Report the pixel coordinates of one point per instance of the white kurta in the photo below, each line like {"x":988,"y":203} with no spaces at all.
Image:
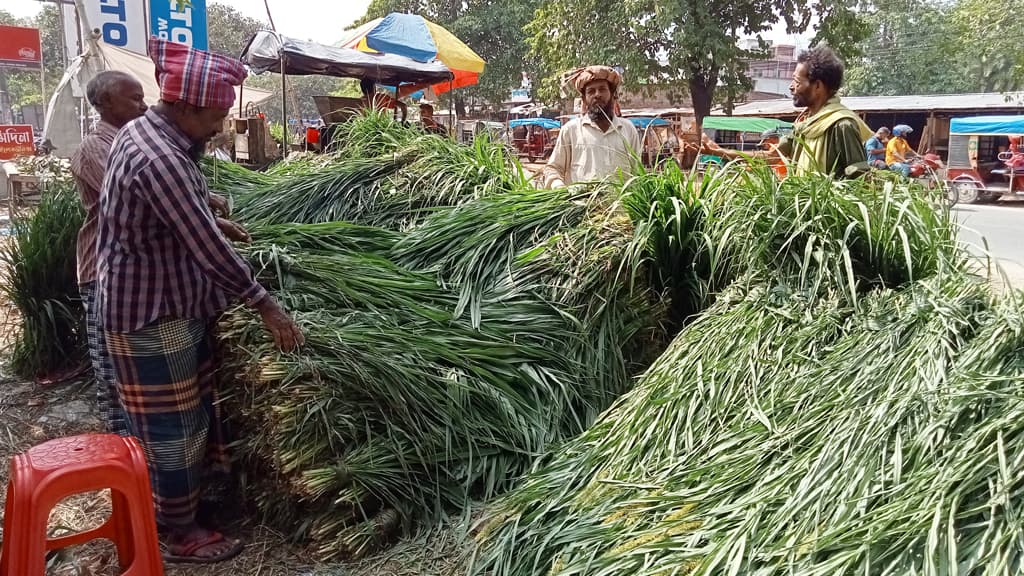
{"x":583,"y":152}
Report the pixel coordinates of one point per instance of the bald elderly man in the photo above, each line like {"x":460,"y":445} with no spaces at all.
{"x":166,"y":270}
{"x":117,"y":97}
{"x":597,"y":144}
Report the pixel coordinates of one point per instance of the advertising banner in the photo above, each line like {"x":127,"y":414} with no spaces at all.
{"x":179,"y":21}
{"x":121,"y":23}
{"x":20,"y":48}
{"x":15,"y":141}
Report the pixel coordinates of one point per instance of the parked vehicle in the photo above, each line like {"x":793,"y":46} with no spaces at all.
{"x":659,"y":139}
{"x":470,"y":129}
{"x":742,"y":132}
{"x":929,"y":170}
{"x":985,"y":159}
{"x":747,"y":134}
{"x":534,"y":138}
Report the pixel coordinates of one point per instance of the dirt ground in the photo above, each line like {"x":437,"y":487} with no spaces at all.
{"x":31,"y":413}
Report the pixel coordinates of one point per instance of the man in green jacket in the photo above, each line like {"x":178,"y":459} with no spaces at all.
{"x":827,"y":136}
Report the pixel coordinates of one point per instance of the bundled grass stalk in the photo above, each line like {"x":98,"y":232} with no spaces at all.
{"x":772,"y":437}
{"x":348,"y":191}
{"x":402,"y":402}
{"x":810,"y":422}
{"x":385,"y":174}
{"x":372,"y":133}
{"x":230,"y":179}
{"x":449,"y":410}
{"x":40,"y":279}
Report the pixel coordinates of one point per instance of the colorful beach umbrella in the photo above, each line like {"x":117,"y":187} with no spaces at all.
{"x":415,"y":37}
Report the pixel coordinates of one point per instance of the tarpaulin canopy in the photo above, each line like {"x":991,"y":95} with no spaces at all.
{"x":545,"y":123}
{"x":1005,"y":125}
{"x":413,"y":36}
{"x":645,"y":122}
{"x":745,"y":124}
{"x":267,"y":50}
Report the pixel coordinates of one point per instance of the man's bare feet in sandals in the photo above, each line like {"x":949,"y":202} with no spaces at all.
{"x":196,"y":545}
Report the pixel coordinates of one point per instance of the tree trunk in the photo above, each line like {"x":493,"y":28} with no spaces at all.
{"x":701,"y":94}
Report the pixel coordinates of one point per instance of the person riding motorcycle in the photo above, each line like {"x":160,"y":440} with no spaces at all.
{"x":898,"y":152}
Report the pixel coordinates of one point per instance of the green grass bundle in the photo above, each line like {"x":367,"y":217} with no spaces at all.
{"x":858,"y":233}
{"x":230,"y":179}
{"x":847,"y":406}
{"x":781,"y":436}
{"x":386,"y":175}
{"x":370,"y":134}
{"x":573,"y":249}
{"x":402,"y":405}
{"x":349,"y":191}
{"x":446,"y":173}
{"x":40,"y":280}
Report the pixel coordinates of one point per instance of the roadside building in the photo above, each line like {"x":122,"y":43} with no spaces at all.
{"x":928,"y":115}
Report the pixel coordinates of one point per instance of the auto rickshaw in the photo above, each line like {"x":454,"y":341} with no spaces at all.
{"x":659,"y":139}
{"x":748,"y":134}
{"x":533,"y":138}
{"x":986,"y":157}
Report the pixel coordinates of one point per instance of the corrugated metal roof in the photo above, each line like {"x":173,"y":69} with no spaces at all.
{"x":656,"y":111}
{"x":1012,"y":101}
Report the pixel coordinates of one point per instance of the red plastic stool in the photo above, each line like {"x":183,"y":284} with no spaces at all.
{"x":54,"y":470}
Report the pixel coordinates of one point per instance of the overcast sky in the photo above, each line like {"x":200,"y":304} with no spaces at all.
{"x":323,"y":21}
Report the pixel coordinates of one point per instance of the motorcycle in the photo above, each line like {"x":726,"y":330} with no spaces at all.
{"x":929,"y":171}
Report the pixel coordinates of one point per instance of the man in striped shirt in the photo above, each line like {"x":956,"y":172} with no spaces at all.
{"x":118,"y":99}
{"x":165,"y":272}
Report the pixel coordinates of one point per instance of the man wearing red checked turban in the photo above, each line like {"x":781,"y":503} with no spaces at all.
{"x":165,"y":271}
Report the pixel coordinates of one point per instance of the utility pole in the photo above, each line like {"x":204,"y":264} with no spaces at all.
{"x":6,"y":111}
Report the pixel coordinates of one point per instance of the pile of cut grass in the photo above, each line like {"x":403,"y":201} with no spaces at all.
{"x":848,"y":405}
{"x":458,"y":323}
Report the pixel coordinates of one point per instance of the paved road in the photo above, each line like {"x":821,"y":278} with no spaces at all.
{"x":1002,"y":226}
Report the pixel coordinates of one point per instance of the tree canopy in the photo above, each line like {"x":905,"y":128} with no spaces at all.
{"x":939,"y":47}
{"x":692,"y":46}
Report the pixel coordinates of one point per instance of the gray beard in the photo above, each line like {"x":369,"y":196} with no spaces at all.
{"x":598,"y":113}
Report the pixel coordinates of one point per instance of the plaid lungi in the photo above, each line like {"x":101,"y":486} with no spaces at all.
{"x":165,"y":378}
{"x":106,"y":392}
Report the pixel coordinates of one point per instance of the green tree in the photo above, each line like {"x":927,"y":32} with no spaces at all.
{"x":494,"y":29}
{"x":988,"y":35}
{"x":689,"y":46}
{"x":912,"y":49}
{"x":51,"y":35}
{"x":229,"y":31}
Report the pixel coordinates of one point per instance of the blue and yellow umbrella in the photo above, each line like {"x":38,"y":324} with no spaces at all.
{"x":415,"y":37}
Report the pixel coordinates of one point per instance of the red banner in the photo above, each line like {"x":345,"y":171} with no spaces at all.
{"x":15,"y":141}
{"x":20,"y":47}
